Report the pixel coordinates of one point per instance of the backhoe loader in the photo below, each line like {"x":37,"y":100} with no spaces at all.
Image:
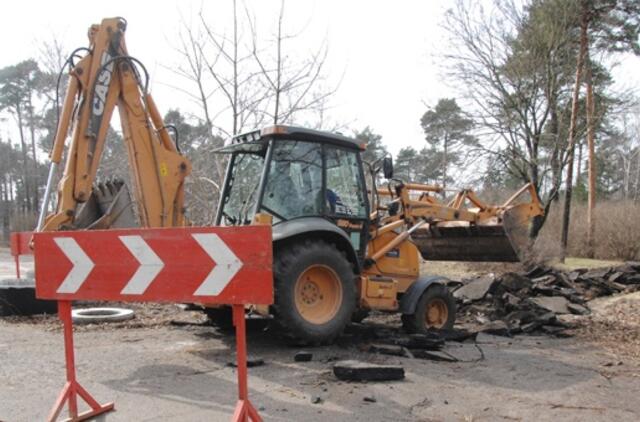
{"x":340,"y":248}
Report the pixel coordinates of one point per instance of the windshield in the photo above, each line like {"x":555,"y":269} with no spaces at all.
{"x":294,"y":181}
{"x":243,"y":188}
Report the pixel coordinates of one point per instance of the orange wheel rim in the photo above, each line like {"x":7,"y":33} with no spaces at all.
{"x":318,"y":294}
{"x":436,"y":314}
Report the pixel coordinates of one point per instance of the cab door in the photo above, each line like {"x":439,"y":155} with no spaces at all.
{"x":346,"y":202}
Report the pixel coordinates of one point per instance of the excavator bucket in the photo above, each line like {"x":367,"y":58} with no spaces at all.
{"x":109,"y":206}
{"x":505,"y":239}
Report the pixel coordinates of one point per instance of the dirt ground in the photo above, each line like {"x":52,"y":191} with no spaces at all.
{"x":8,"y":266}
{"x":169,"y":364}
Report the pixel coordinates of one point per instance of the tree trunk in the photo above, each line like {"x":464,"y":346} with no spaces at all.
{"x":626,"y":177}
{"x":636,"y":193}
{"x":579,"y":171}
{"x":566,"y":215}
{"x":444,"y":166}
{"x":25,"y":171}
{"x":591,"y":222}
{"x":556,"y":157}
{"x":235,"y":69}
{"x":4,"y":209}
{"x":32,"y":129}
{"x":278,"y":66}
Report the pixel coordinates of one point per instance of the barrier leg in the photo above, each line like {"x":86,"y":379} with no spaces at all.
{"x":72,"y":389}
{"x":17,"y":259}
{"x":244,"y":409}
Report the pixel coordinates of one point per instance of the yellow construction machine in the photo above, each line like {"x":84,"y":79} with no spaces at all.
{"x":340,"y":249}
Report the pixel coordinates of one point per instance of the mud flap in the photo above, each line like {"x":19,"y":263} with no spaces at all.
{"x":411,"y":297}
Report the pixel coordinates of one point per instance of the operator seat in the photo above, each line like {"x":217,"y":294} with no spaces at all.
{"x":282,"y":194}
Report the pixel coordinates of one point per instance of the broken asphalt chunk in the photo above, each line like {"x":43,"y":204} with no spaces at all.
{"x":303,"y":357}
{"x":555,"y":304}
{"x":537,"y":271}
{"x":434,"y":355}
{"x":576,"y":309}
{"x":387,"y":349}
{"x":456,"y":334}
{"x":252,"y":362}
{"x":497,"y":328}
{"x":352,"y":370}
{"x":476,"y":289}
{"x":428,"y":341}
{"x":514,"y":282}
{"x":596,"y":273}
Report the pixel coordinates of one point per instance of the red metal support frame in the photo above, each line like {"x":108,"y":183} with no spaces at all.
{"x":19,"y":242}
{"x":217,"y":265}
{"x":245,"y":411}
{"x":17,"y":259}
{"x":72,"y":389}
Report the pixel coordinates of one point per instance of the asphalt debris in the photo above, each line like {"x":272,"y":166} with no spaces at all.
{"x":353,"y":370}
{"x":252,"y":362}
{"x":303,"y":357}
{"x":540,"y":300}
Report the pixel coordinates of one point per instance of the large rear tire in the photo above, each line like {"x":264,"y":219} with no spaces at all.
{"x":360,"y":315}
{"x":221,"y":317}
{"x":435,"y":309}
{"x":315,"y":292}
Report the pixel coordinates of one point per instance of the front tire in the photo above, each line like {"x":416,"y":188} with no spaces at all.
{"x":435,"y":309}
{"x":315,"y":292}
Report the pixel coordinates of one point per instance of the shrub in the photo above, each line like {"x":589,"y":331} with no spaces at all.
{"x":617,"y":234}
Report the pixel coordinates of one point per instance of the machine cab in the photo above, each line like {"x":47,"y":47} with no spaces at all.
{"x":297,"y":176}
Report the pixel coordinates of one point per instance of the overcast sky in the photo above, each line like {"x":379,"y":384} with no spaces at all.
{"x":384,"y":53}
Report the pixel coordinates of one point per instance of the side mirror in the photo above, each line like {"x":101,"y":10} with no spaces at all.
{"x":387,"y":167}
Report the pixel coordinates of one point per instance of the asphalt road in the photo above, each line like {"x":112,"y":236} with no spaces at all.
{"x":180,"y":373}
{"x":8,"y":266}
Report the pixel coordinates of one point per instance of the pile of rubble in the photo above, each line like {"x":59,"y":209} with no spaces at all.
{"x":540,"y":300}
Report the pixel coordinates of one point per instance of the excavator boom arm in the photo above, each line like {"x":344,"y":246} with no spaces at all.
{"x":103,"y":79}
{"x":464,"y":229}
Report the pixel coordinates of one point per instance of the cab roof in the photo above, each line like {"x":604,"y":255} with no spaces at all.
{"x":303,"y":134}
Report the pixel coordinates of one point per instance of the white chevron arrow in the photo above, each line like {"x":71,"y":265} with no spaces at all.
{"x":227,"y":264}
{"x":150,"y":265}
{"x":82,"y":264}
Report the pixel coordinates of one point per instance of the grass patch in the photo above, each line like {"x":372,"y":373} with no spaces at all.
{"x":458,"y":270}
{"x":572,"y":263}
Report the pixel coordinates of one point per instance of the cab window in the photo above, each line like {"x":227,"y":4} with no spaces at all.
{"x":243,"y":186}
{"x":345,"y":191}
{"x":294,"y":181}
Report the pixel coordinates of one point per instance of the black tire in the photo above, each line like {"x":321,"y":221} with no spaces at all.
{"x":360,"y":315}
{"x":221,"y":317}
{"x":435,"y":294}
{"x":99,"y":315}
{"x":289,"y":264}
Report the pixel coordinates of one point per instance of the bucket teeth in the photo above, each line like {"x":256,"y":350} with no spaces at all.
{"x":109,"y":206}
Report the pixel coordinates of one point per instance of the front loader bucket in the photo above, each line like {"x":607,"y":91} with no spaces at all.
{"x":505,"y":241}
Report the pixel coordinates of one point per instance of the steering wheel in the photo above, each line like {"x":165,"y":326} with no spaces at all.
{"x":229,"y":219}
